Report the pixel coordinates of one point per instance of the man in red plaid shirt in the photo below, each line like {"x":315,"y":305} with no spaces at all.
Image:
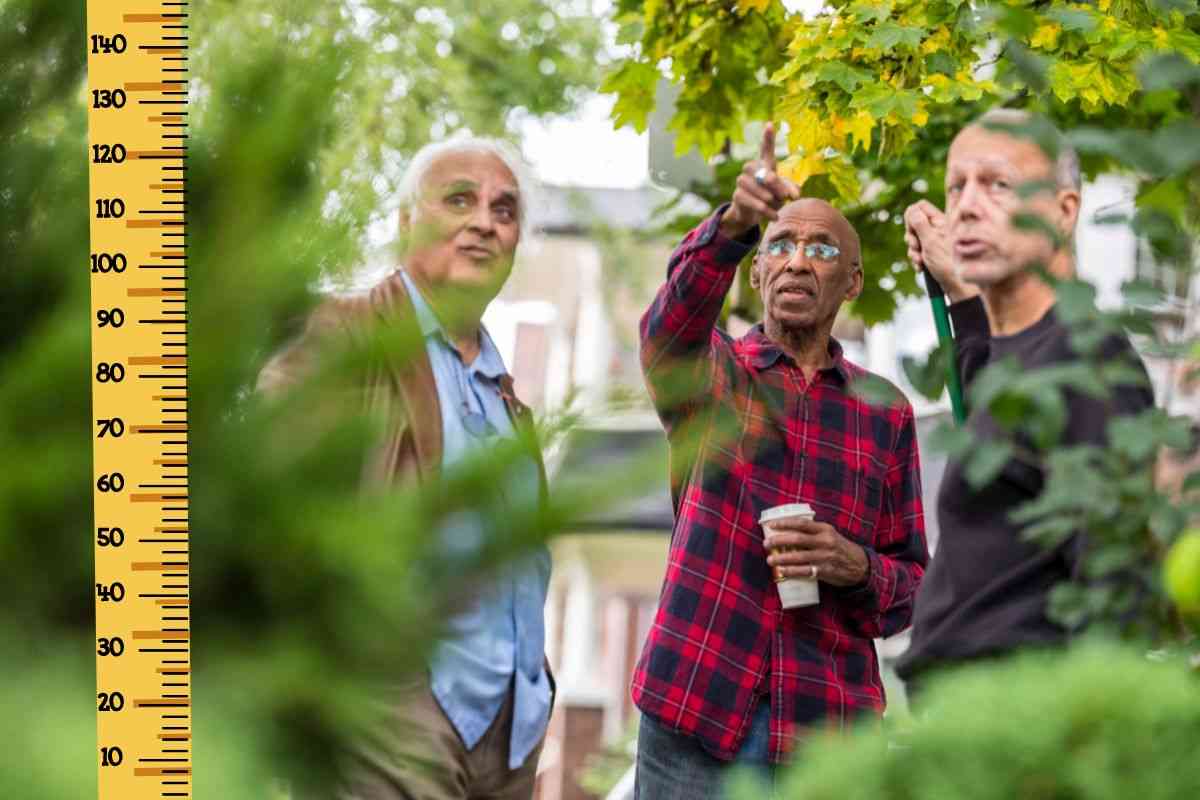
{"x":727,"y":675}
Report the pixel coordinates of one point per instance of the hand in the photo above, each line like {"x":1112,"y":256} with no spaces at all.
{"x":754,"y":201}
{"x":839,"y":561}
{"x":929,"y":247}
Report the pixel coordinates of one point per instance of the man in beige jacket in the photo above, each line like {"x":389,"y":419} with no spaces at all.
{"x":473,"y":726}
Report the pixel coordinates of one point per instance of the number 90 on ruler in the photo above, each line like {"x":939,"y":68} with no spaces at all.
{"x":137,"y":110}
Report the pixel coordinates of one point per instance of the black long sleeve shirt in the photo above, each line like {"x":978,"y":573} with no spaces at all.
{"x":986,"y":589}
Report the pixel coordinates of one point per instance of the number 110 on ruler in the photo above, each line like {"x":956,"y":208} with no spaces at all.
{"x":137,"y":148}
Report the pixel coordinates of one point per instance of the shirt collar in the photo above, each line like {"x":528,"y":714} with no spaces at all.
{"x":763,"y":353}
{"x":488,"y":363}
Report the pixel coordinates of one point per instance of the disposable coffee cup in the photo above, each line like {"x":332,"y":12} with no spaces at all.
{"x":793,"y":592}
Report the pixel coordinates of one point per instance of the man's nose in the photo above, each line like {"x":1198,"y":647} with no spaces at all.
{"x":967,"y":206}
{"x":798,"y":261}
{"x":481,"y":220}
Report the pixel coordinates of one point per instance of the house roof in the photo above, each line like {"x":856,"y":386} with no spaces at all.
{"x":573,"y":209}
{"x":602,"y":447}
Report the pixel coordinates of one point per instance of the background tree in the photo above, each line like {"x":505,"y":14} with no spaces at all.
{"x":871,"y":94}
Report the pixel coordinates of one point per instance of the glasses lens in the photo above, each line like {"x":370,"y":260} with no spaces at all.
{"x":825,"y":252}
{"x":781,"y":247}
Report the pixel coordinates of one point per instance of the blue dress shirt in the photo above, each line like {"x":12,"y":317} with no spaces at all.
{"x":499,"y":640}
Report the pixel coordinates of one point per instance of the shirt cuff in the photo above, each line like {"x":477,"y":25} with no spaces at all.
{"x":970,"y":318}
{"x":869,"y":581}
{"x":729,"y":252}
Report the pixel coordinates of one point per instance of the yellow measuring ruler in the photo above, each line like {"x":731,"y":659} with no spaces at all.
{"x":137,"y":144}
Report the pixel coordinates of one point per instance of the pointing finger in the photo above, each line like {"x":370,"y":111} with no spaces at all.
{"x":766,"y":153}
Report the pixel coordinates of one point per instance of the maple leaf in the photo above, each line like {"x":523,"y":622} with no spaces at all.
{"x":1046,"y":35}
{"x":859,"y":128}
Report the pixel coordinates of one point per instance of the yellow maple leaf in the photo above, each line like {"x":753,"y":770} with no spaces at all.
{"x":859,"y":129}
{"x":746,"y":6}
{"x":1046,"y":35}
{"x":808,"y":133}
{"x":1105,"y":5}
{"x":940,"y":40}
{"x":1161,"y":40}
{"x":799,"y":169}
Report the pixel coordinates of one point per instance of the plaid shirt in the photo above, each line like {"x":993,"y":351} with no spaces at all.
{"x":747,"y":432}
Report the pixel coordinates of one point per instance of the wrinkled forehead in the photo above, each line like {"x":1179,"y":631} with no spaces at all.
{"x":471,"y":170}
{"x":809,"y":216}
{"x":978,"y":148}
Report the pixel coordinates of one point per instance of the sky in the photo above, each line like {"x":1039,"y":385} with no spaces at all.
{"x":582,"y":149}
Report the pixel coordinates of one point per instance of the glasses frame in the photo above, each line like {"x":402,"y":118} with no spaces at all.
{"x":812,"y":250}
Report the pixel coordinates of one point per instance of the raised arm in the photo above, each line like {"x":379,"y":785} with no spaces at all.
{"x":679,"y":329}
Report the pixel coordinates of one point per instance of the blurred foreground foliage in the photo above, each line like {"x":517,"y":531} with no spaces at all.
{"x":1102,"y":723}
{"x":306,"y":598}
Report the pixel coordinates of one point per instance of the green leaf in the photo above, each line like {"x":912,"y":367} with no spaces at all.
{"x":1069,"y":605}
{"x":941,"y":63}
{"x":1029,"y":67}
{"x":1185,"y":42}
{"x":844,"y":75}
{"x":1105,"y":559}
{"x":951,"y":439}
{"x":1167,"y":521}
{"x":1073,"y":19}
{"x":1132,"y":436}
{"x":986,"y":461}
{"x":1178,"y":146}
{"x":927,"y":376}
{"x":871,"y":12}
{"x":1012,"y":19}
{"x":1076,"y":301}
{"x":634,"y":83}
{"x":876,"y":391}
{"x":888,"y":36}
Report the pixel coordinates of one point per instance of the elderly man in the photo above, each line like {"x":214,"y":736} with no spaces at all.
{"x":473,"y":726}
{"x":987,"y":588}
{"x":727,"y":675}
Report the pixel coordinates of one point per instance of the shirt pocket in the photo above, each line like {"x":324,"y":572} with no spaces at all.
{"x":848,"y":496}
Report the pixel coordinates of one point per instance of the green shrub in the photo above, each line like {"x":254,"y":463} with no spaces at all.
{"x":1099,"y":723}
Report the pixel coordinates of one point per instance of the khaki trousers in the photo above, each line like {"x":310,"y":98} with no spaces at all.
{"x":421,"y":757}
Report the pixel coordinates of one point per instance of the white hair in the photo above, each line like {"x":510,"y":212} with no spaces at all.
{"x":424,"y":159}
{"x":1066,"y":160}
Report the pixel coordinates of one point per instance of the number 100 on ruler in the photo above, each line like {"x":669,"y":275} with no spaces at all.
{"x":137,"y":98}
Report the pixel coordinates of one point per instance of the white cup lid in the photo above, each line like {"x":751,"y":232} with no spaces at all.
{"x":785,"y":511}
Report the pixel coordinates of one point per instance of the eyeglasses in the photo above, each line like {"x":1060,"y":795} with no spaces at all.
{"x":786,"y":248}
{"x":475,"y":423}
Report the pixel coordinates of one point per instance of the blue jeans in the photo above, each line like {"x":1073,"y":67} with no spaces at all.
{"x":671,"y":766}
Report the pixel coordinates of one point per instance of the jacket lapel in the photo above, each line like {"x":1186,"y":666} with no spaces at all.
{"x":407,"y":361}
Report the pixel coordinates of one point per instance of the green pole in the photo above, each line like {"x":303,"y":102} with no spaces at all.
{"x":941,"y":320}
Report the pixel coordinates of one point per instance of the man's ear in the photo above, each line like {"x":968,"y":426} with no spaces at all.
{"x":1068,"y":206}
{"x":856,"y":283}
{"x":754,"y":280}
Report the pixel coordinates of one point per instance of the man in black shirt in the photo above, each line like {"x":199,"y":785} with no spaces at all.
{"x":986,"y":590}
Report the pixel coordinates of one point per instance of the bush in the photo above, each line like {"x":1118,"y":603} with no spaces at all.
{"x":1099,"y":723}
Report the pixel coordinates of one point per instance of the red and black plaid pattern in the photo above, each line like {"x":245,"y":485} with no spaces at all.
{"x":747,"y":432}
